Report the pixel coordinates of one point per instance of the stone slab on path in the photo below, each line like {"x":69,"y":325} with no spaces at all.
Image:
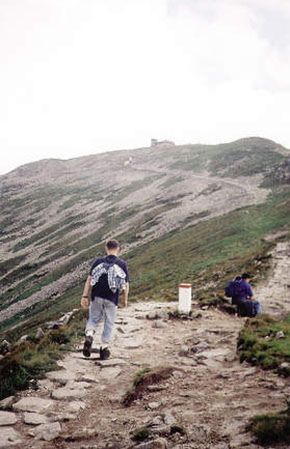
{"x":88,"y":378}
{"x":133,"y":329}
{"x":61,"y":376}
{"x":35,"y":419}
{"x":132,"y":343}
{"x":75,"y":385}
{"x":68,"y":394}
{"x":75,"y":406}
{"x":6,"y":404}
{"x":111,"y":363}
{"x":79,"y":356}
{"x":7,"y":418}
{"x":213,"y":356}
{"x":109,"y":374}
{"x":33,"y":404}
{"x":46,"y":432}
{"x":215,"y":353}
{"x":61,"y":417}
{"x":9,"y":437}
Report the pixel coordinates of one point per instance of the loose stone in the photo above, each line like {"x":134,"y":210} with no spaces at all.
{"x":35,"y":419}
{"x":7,"y":418}
{"x":6,"y":404}
{"x":9,"y":437}
{"x":67,"y":394}
{"x":47,"y":432}
{"x":33,"y":404}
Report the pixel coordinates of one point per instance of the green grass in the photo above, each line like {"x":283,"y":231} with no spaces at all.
{"x":37,"y":315}
{"x":30,"y":360}
{"x":50,"y":232}
{"x":258,"y":345}
{"x":212,"y":188}
{"x":244,"y":162}
{"x":22,"y":271}
{"x":217,"y":248}
{"x":272,"y":428}
{"x":140,"y":374}
{"x":143,"y":379}
{"x":122,"y":193}
{"x":173,"y":180}
{"x":141,"y":434}
{"x":10,"y":264}
{"x":244,"y":157}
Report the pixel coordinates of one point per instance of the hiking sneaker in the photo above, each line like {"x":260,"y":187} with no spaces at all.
{"x":104,"y":353}
{"x":88,"y":346}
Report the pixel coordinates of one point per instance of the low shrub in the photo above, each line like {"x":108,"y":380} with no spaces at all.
{"x":258,"y":344}
{"x":141,"y":434}
{"x":143,"y":379}
{"x":26,"y":363}
{"x":31,"y":359}
{"x":271,"y":428}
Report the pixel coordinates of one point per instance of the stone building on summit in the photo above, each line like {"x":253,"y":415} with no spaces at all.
{"x":163,"y":143}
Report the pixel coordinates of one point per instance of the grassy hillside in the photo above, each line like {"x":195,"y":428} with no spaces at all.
{"x":181,"y":227}
{"x":244,"y":157}
{"x":209,"y":251}
{"x":206,"y":255}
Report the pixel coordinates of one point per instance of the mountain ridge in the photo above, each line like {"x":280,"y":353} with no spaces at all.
{"x":251,"y":139}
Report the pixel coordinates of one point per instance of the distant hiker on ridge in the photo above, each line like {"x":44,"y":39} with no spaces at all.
{"x":108,"y":277}
{"x":242,"y":296}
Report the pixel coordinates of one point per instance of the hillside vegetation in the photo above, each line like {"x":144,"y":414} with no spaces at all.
{"x":192,"y":213}
{"x":259,"y":345}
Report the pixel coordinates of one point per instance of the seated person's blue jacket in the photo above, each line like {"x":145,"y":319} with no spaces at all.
{"x":242,"y":290}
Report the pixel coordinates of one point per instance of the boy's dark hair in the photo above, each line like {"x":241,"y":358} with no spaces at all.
{"x":112,"y":244}
{"x":246,"y":276}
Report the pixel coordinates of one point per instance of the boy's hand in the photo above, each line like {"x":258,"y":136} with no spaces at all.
{"x":84,"y":302}
{"x":123,"y":300}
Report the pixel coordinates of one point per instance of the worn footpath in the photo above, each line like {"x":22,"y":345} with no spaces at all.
{"x":204,"y":403}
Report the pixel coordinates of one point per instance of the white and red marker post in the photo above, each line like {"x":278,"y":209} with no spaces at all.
{"x":184,"y":298}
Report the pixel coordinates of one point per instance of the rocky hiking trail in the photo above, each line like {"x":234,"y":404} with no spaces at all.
{"x":203,"y":401}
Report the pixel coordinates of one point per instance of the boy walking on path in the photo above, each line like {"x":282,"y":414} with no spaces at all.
{"x":107,"y":279}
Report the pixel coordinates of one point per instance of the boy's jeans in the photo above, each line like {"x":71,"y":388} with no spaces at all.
{"x":101,"y":308}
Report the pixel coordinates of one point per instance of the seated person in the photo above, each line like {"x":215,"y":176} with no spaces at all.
{"x":242,"y":295}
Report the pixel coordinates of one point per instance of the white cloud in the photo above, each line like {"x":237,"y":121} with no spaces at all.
{"x":82,"y":76}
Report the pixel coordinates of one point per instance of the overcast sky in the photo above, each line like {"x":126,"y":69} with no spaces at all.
{"x":83,"y":76}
